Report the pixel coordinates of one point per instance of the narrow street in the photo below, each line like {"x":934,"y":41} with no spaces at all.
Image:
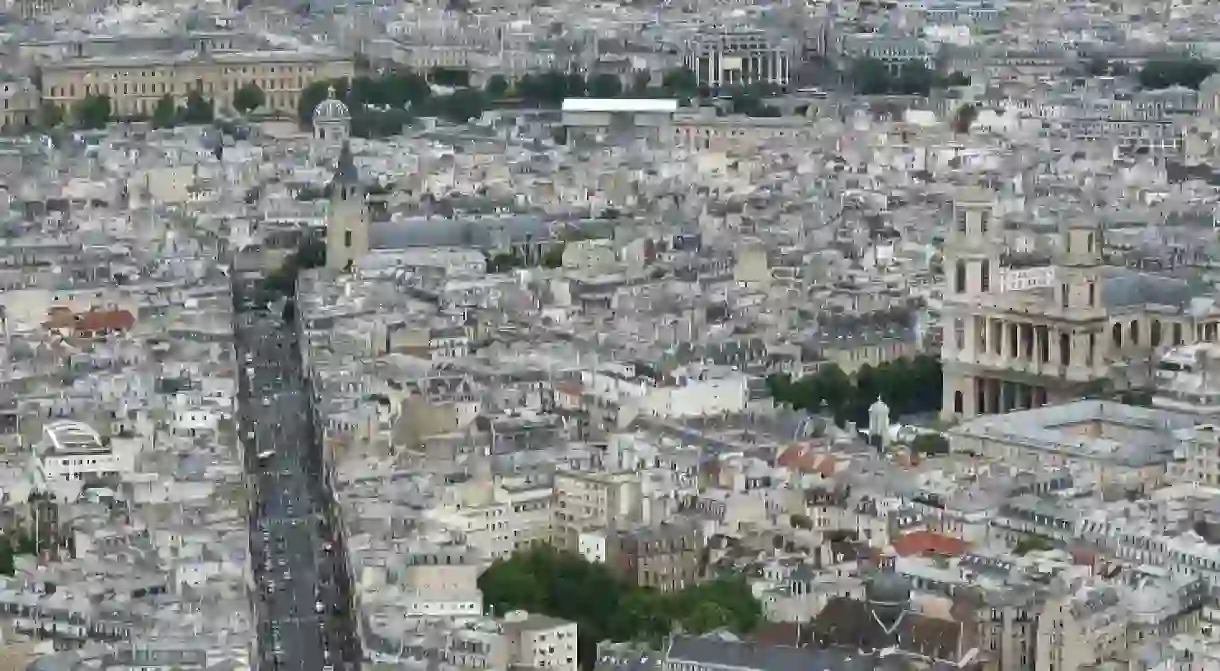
{"x":299,"y":568}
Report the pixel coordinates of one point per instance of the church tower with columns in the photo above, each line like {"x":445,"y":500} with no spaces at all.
{"x":1011,"y":345}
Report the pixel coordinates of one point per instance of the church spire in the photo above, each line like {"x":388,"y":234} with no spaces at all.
{"x":346,"y":172}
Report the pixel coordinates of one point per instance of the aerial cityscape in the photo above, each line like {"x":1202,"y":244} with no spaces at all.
{"x":694,"y":335}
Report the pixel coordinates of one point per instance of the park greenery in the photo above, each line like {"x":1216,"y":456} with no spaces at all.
{"x":550,"y":582}
{"x":381,"y":104}
{"x":907,"y":386}
{"x":11,"y":546}
{"x":964,"y":118}
{"x":1163,"y":74}
{"x":95,"y":111}
{"x":1032,"y":543}
{"x":872,"y":77}
{"x":510,"y":260}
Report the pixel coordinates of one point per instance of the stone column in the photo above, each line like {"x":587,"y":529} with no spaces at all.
{"x":1006,"y":396}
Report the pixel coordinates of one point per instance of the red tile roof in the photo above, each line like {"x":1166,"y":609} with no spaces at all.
{"x":805,"y":458}
{"x":93,"y":320}
{"x":924,"y":542}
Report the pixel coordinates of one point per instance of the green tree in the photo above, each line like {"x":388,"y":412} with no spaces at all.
{"x":7,"y":566}
{"x":1097,"y":66}
{"x":198,"y":110}
{"x":680,"y":83}
{"x":450,"y":77}
{"x":311,"y":253}
{"x":870,"y":77}
{"x":165,"y":114}
{"x":640,"y":82}
{"x":547,"y":89}
{"x":1032,"y":544}
{"x":914,"y":78}
{"x":92,"y":112}
{"x":460,"y":106}
{"x":553,"y":258}
{"x":52,"y":115}
{"x":605,"y":86}
{"x":1188,"y":72}
{"x":800,"y":521}
{"x":248,"y":98}
{"x":964,"y":118}
{"x":564,"y":585}
{"x":907,"y":386}
{"x":310,"y":96}
{"x":953,"y":79}
{"x":496,"y":87}
{"x":575,"y":85}
{"x":930,"y":444}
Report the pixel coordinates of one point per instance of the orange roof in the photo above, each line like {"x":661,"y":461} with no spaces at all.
{"x":570,"y":387}
{"x":93,"y":320}
{"x":109,"y":320}
{"x":802,"y":457}
{"x":924,"y":542}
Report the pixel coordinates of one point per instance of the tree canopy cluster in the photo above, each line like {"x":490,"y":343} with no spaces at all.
{"x":1163,"y":74}
{"x":873,"y":77}
{"x":310,"y":254}
{"x":505,"y":261}
{"x":195,"y":110}
{"x":95,"y":111}
{"x":12,"y":546}
{"x":564,"y":585}
{"x":906,"y":385}
{"x":382,"y":104}
{"x":1030,"y":544}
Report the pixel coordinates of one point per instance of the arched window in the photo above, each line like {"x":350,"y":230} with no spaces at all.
{"x":958,"y":402}
{"x":1156,"y":333}
{"x":1134,"y":333}
{"x":960,"y":280}
{"x":985,"y":278}
{"x":1117,"y":336}
{"x":1065,"y":349}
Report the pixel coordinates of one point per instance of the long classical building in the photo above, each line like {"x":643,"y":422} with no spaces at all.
{"x":135,"y":83}
{"x":1010,"y":347}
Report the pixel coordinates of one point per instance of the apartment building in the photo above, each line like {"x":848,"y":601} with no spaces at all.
{"x":74,"y":451}
{"x":540,"y":642}
{"x":135,"y":83}
{"x":664,"y":557}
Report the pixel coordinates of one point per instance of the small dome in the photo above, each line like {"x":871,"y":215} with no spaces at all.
{"x":888,"y":589}
{"x":331,"y":109}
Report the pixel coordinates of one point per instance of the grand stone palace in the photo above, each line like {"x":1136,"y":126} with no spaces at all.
{"x":1009,"y":347}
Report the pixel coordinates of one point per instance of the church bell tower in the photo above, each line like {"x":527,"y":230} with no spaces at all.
{"x":347,"y":224}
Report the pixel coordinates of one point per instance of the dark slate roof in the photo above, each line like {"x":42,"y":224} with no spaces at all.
{"x":1123,"y":288}
{"x":851,"y":624}
{"x":713,"y":651}
{"x":479,"y":232}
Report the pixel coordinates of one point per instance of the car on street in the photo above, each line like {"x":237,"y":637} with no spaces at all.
{"x":319,"y":607}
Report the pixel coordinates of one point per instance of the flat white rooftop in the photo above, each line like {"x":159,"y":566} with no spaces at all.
{"x":628,"y":105}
